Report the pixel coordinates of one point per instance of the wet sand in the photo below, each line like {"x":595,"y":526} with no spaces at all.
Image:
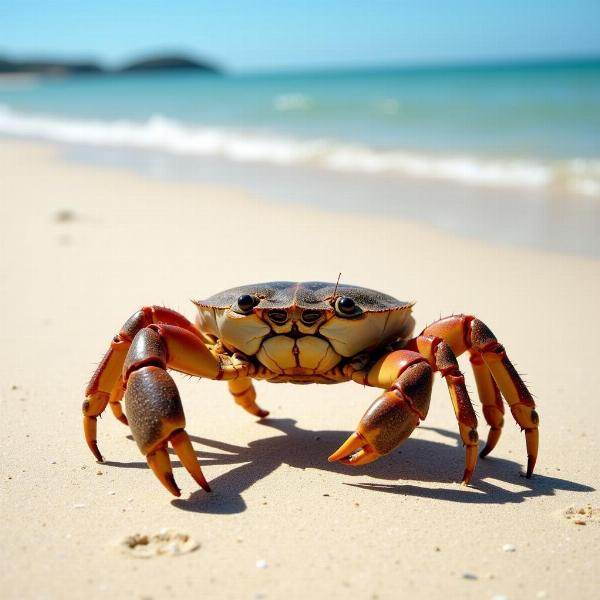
{"x":538,"y":219}
{"x":83,"y":247}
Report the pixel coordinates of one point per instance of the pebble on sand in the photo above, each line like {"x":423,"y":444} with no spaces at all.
{"x":261,"y":564}
{"x":509,"y":547}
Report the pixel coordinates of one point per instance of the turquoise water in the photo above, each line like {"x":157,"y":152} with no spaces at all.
{"x":504,"y":126}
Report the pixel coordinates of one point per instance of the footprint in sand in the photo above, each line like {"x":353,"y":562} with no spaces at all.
{"x":166,"y":542}
{"x":581,"y":515}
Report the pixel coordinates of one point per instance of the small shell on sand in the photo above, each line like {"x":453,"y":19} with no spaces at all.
{"x":509,"y":548}
{"x":166,"y":542}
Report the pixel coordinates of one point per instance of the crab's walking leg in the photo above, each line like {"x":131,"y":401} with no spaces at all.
{"x":407,"y":378}
{"x":106,"y":386}
{"x":106,"y":382}
{"x":464,"y":332}
{"x":244,"y":395}
{"x":442,"y":358}
{"x":491,"y":400}
{"x":152,"y":401}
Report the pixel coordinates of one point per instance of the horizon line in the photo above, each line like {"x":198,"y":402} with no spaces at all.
{"x":413,"y":65}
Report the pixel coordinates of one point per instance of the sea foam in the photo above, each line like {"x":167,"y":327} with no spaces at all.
{"x":577,"y":176}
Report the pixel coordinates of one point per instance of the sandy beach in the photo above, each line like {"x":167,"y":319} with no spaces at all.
{"x":84,"y":247}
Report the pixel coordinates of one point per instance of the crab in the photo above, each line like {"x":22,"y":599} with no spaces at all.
{"x":302,"y":333}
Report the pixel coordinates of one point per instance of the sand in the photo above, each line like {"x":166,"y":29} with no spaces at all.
{"x":83,"y":247}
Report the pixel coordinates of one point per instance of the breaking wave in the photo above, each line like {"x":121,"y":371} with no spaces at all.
{"x":578,"y":176}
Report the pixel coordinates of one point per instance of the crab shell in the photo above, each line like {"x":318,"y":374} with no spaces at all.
{"x":296,"y":350}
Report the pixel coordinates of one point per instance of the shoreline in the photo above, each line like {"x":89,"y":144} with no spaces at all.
{"x":541,"y":220}
{"x":85,"y":246}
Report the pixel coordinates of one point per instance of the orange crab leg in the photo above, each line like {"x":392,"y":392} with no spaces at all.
{"x":518,"y":397}
{"x":465,"y":332}
{"x":244,"y":395}
{"x":105,"y":382}
{"x":442,"y":358}
{"x":491,"y":400}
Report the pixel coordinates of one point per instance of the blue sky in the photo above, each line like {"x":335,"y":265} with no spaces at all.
{"x":244,"y":35}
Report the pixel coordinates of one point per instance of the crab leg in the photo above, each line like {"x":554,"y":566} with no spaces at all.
{"x":106,"y":382}
{"x":491,"y":400}
{"x":442,"y":358}
{"x":106,"y":386}
{"x":391,"y":419}
{"x":464,"y":332}
{"x":244,"y":395}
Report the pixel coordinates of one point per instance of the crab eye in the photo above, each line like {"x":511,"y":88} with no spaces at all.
{"x":310,"y":316}
{"x":245,"y":303}
{"x":279,"y":317}
{"x":346,"y":307}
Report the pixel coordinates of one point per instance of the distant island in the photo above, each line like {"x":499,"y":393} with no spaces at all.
{"x":67,"y":68}
{"x":160,"y":63}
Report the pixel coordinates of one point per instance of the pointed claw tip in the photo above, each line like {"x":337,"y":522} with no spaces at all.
{"x":351,"y":445}
{"x":466,"y":480}
{"x":96,"y":452}
{"x":485,"y":452}
{"x":530,"y":466}
{"x":201,"y":481}
{"x":182,"y":445}
{"x":171,"y":485}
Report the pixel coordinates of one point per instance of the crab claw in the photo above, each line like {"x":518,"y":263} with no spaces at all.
{"x":160,"y":463}
{"x":385,"y":425}
{"x":182,"y":445}
{"x":355,"y":451}
{"x":156,"y":418}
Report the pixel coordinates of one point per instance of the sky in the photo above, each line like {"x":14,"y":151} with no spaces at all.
{"x":244,"y":35}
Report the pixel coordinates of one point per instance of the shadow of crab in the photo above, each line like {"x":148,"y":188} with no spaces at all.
{"x":422,"y":461}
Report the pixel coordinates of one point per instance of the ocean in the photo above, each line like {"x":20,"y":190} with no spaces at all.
{"x":499,"y":130}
